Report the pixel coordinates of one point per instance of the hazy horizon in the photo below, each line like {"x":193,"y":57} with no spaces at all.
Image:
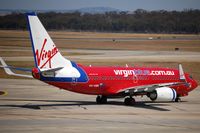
{"x":124,"y":5}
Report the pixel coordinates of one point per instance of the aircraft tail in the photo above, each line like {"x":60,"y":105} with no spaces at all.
{"x":46,"y":55}
{"x":181,"y":73}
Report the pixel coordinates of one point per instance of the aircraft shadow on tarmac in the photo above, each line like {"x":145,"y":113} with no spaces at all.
{"x":83,"y":104}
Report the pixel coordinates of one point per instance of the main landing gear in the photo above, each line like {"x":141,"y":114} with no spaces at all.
{"x":129,"y":101}
{"x":101,"y":99}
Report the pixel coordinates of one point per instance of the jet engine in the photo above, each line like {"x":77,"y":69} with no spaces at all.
{"x":163,"y":94}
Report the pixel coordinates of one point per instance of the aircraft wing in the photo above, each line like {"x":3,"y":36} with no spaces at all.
{"x":137,"y":90}
{"x":10,"y":72}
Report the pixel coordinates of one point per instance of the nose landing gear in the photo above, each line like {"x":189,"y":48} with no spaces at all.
{"x":178,"y":99}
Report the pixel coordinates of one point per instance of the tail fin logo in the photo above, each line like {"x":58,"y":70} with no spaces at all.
{"x":44,"y":56}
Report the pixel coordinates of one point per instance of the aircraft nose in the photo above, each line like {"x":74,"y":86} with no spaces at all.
{"x":194,"y":84}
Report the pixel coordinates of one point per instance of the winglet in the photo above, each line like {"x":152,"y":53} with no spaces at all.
{"x":181,"y":73}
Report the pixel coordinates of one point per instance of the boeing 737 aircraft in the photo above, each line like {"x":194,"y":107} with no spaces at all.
{"x":159,"y":84}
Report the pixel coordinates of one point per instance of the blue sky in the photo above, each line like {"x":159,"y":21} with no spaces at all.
{"x":118,"y":4}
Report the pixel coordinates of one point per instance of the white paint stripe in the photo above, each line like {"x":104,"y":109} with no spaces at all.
{"x":9,"y":72}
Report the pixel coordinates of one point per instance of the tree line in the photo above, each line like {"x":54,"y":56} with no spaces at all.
{"x":139,"y":21}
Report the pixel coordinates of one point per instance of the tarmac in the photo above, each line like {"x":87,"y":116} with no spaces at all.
{"x":107,"y":55}
{"x":33,"y":106}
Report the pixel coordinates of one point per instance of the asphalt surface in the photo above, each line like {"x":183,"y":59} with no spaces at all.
{"x":136,"y":56}
{"x":33,"y":106}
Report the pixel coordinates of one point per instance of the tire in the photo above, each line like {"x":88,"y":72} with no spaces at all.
{"x":178,"y":99}
{"x":98,"y":100}
{"x":129,"y":101}
{"x":101,"y":100}
{"x":153,"y":96}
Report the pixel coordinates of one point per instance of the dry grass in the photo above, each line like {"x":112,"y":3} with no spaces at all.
{"x":14,"y":53}
{"x":67,"y":34}
{"x":8,"y":53}
{"x":146,"y":45}
{"x":89,"y":40}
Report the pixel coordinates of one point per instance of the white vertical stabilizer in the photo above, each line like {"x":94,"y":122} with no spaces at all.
{"x":46,"y":54}
{"x":181,"y":73}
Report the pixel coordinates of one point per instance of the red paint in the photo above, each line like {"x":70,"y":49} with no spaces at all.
{"x":45,"y":55}
{"x":103,"y":81}
{"x":36,"y":73}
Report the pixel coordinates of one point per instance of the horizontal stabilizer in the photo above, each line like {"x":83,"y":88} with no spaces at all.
{"x":18,"y":68}
{"x":9,"y":72}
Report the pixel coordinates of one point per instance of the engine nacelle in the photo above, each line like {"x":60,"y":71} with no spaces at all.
{"x":163,"y":94}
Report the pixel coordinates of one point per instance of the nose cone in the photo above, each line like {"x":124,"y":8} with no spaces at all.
{"x":194,"y":84}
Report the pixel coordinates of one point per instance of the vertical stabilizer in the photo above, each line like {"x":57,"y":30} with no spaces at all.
{"x":181,"y":73}
{"x":46,"y":54}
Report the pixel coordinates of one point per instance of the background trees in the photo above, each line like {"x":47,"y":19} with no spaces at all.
{"x":139,"y":21}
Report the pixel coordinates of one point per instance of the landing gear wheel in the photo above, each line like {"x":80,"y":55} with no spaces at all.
{"x":153,"y":96}
{"x":101,"y":99}
{"x":178,"y":99}
{"x":98,"y":99}
{"x":129,"y":101}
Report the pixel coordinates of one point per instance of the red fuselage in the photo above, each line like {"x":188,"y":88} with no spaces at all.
{"x":110,"y":81}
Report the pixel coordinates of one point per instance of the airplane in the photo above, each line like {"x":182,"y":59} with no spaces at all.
{"x":159,"y":84}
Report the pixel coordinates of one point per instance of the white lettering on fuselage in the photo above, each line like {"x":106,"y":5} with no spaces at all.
{"x":127,"y":73}
{"x":162,"y":73}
